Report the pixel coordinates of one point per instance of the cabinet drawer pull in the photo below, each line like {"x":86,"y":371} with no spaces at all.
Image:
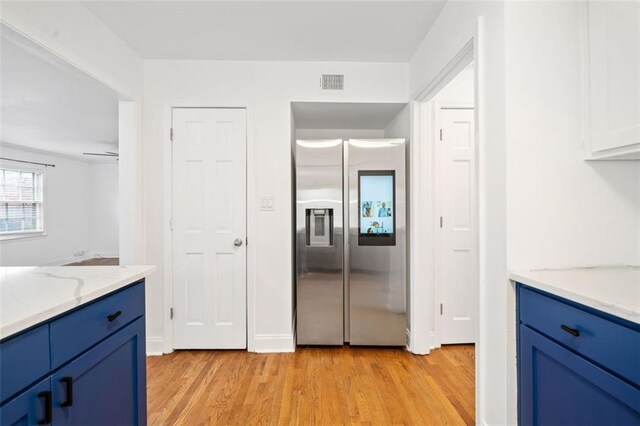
{"x":113,"y":316}
{"x":68,"y":381}
{"x":48,"y":409}
{"x":573,"y":331}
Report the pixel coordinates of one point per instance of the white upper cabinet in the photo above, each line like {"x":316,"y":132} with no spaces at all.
{"x":612,"y":79}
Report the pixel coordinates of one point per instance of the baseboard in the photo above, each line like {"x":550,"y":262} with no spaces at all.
{"x":155,"y":346}
{"x":273,"y":343}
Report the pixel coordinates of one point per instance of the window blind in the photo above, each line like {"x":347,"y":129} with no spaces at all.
{"x":21,"y":201}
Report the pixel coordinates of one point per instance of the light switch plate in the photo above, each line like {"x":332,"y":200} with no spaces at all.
{"x":267,"y":203}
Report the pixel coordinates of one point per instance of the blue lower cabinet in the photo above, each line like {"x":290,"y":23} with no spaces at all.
{"x":106,"y":385}
{"x":561,"y":388}
{"x":89,"y":370}
{"x":32,"y":407}
{"x":576,"y":366}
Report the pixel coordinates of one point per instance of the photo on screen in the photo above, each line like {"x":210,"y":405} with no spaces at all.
{"x":376,"y":221}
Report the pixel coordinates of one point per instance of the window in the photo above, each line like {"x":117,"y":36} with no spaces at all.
{"x":21,"y":201}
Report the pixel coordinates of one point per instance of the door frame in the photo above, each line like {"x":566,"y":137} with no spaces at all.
{"x":437,"y":255}
{"x":167,"y":124}
{"x":422,"y":244}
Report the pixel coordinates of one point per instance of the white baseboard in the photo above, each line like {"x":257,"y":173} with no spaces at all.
{"x":155,"y":346}
{"x":273,"y":343}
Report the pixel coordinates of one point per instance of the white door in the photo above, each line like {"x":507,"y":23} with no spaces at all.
{"x":209,"y":228}
{"x":458,"y":269}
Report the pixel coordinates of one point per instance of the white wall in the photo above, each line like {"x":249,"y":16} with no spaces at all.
{"x":103,"y":205}
{"x":339,"y":134}
{"x":74,"y":193}
{"x":268,"y":88}
{"x":400,"y":126}
{"x":460,"y":89}
{"x":562,"y":210}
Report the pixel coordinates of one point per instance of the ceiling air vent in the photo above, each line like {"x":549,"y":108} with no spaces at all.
{"x":332,"y":83}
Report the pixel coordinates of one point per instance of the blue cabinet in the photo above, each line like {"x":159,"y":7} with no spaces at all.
{"x":570,"y":371}
{"x":31,"y":407}
{"x":94,"y":372}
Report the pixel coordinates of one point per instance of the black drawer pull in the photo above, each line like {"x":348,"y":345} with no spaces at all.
{"x":113,"y":316}
{"x":68,"y":381}
{"x":573,"y":331}
{"x":48,"y":409}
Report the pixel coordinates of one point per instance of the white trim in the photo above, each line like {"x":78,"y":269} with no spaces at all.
{"x":155,"y":346}
{"x":457,"y":63}
{"x":274,"y":343}
{"x":422,"y":241}
{"x":167,"y":123}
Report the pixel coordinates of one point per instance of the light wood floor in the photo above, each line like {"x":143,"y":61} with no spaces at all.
{"x":97,"y":261}
{"x":324,"y":386}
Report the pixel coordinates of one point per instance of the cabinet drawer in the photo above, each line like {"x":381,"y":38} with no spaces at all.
{"x":15,"y":371}
{"x":605,"y":342}
{"x":76,"y":332}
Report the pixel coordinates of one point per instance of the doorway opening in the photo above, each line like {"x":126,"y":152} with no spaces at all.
{"x":68,"y":148}
{"x":447,"y":196}
{"x":456,"y":195}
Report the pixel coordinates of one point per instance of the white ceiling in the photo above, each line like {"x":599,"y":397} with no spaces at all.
{"x":358,"y":31}
{"x":335,"y":115}
{"x":48,"y":105}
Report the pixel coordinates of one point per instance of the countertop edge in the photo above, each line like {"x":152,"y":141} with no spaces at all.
{"x":608,"y":308}
{"x":11,"y":329}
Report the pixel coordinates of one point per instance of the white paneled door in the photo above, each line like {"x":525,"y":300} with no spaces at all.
{"x":209,"y":228}
{"x":458,"y":269}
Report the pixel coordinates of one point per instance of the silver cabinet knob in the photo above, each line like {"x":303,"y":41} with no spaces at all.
{"x":237,"y":242}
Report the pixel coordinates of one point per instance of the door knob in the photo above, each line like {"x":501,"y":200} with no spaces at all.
{"x":237,"y":242}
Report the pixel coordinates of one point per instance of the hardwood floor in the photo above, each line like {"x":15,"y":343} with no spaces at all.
{"x":97,"y":261}
{"x":324,"y":386}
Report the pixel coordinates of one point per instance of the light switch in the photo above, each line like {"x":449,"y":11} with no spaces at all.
{"x":267,"y":203}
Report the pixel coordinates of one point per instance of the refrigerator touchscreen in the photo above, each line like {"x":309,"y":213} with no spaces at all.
{"x":376,"y":201}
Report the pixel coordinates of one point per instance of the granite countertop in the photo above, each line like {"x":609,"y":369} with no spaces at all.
{"x":614,"y":290}
{"x":31,"y":295}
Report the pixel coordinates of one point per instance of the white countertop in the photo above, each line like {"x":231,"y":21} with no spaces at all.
{"x":614,"y":290}
{"x":31,"y":295}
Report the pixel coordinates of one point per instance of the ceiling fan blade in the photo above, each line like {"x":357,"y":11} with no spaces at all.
{"x":112,"y":153}
{"x":100,"y":155}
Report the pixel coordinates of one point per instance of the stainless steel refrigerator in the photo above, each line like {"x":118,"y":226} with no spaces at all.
{"x":351,"y":286}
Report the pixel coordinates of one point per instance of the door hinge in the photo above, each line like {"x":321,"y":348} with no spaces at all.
{"x":246,"y":241}
{"x":171,"y":134}
{"x":171,"y":224}
{"x":441,"y":309}
{"x":440,"y":134}
{"x":440,"y":221}
{"x":170,"y":313}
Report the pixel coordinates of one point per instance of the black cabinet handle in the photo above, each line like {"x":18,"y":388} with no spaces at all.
{"x":573,"y":331}
{"x":48,"y":409}
{"x":113,"y":316}
{"x":68,"y":381}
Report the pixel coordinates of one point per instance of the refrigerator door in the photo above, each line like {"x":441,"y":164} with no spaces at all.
{"x":377,"y":242}
{"x":319,"y":242}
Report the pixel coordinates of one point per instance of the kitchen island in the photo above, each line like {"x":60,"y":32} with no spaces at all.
{"x":72,"y":345}
{"x":578,"y":346}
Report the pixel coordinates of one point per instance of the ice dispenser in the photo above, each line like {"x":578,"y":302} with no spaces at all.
{"x":319,"y":227}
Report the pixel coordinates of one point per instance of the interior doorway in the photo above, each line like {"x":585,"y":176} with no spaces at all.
{"x":209,"y":228}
